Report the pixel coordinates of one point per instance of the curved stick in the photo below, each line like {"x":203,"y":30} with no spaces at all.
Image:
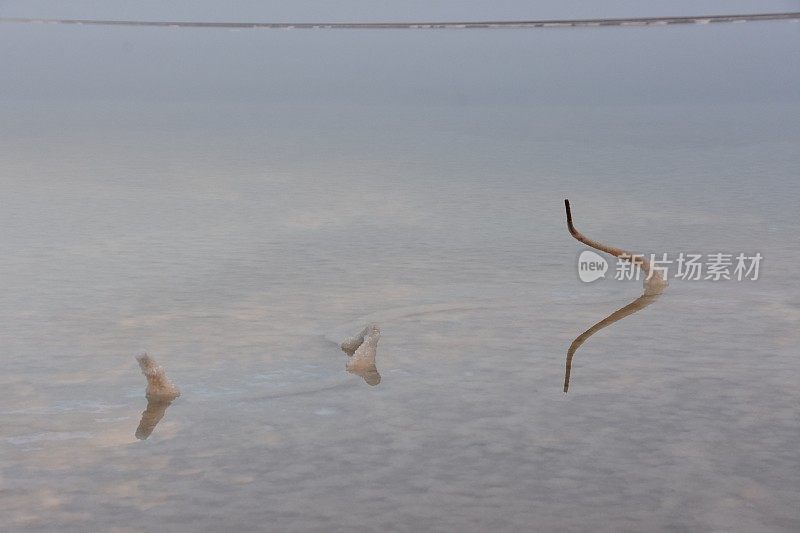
{"x":654,"y":285}
{"x":636,"y":259}
{"x":654,"y":282}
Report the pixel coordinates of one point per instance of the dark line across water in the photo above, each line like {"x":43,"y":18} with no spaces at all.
{"x":565,"y":23}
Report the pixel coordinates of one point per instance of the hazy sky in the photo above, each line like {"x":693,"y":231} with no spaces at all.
{"x":720,"y":63}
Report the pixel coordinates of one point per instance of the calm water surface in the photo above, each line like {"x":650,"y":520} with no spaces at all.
{"x":238,"y":242}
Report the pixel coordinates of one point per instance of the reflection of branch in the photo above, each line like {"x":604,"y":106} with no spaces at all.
{"x":654,"y":285}
{"x":151,"y":417}
{"x":638,"y":304}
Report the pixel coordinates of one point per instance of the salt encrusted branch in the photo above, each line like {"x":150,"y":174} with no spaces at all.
{"x":654,"y":282}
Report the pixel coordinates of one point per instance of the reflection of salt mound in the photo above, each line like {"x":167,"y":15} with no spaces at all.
{"x":362,"y":349}
{"x":152,"y":416}
{"x":158,"y":386}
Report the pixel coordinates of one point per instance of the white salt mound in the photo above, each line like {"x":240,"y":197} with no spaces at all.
{"x":158,"y":385}
{"x":362,"y":349}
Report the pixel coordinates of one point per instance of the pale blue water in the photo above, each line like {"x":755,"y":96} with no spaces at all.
{"x":236,"y":239}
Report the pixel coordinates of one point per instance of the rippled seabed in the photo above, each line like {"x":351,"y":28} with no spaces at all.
{"x":236,"y":243}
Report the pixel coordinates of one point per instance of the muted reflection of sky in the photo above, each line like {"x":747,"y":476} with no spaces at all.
{"x":237,"y":202}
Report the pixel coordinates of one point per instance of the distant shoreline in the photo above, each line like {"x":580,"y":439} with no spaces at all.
{"x":555,"y":23}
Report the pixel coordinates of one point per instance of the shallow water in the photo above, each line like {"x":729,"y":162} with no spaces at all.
{"x":239,"y":241}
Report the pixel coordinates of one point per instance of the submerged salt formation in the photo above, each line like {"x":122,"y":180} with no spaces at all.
{"x":654,"y":285}
{"x":361,"y":350}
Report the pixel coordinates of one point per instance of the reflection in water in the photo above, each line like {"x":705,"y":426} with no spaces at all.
{"x":361,"y":350}
{"x":654,"y":285}
{"x":639,"y":303}
{"x":152,"y":416}
{"x":160,"y":394}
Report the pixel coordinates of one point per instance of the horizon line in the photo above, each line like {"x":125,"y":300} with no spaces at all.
{"x":554,"y":23}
